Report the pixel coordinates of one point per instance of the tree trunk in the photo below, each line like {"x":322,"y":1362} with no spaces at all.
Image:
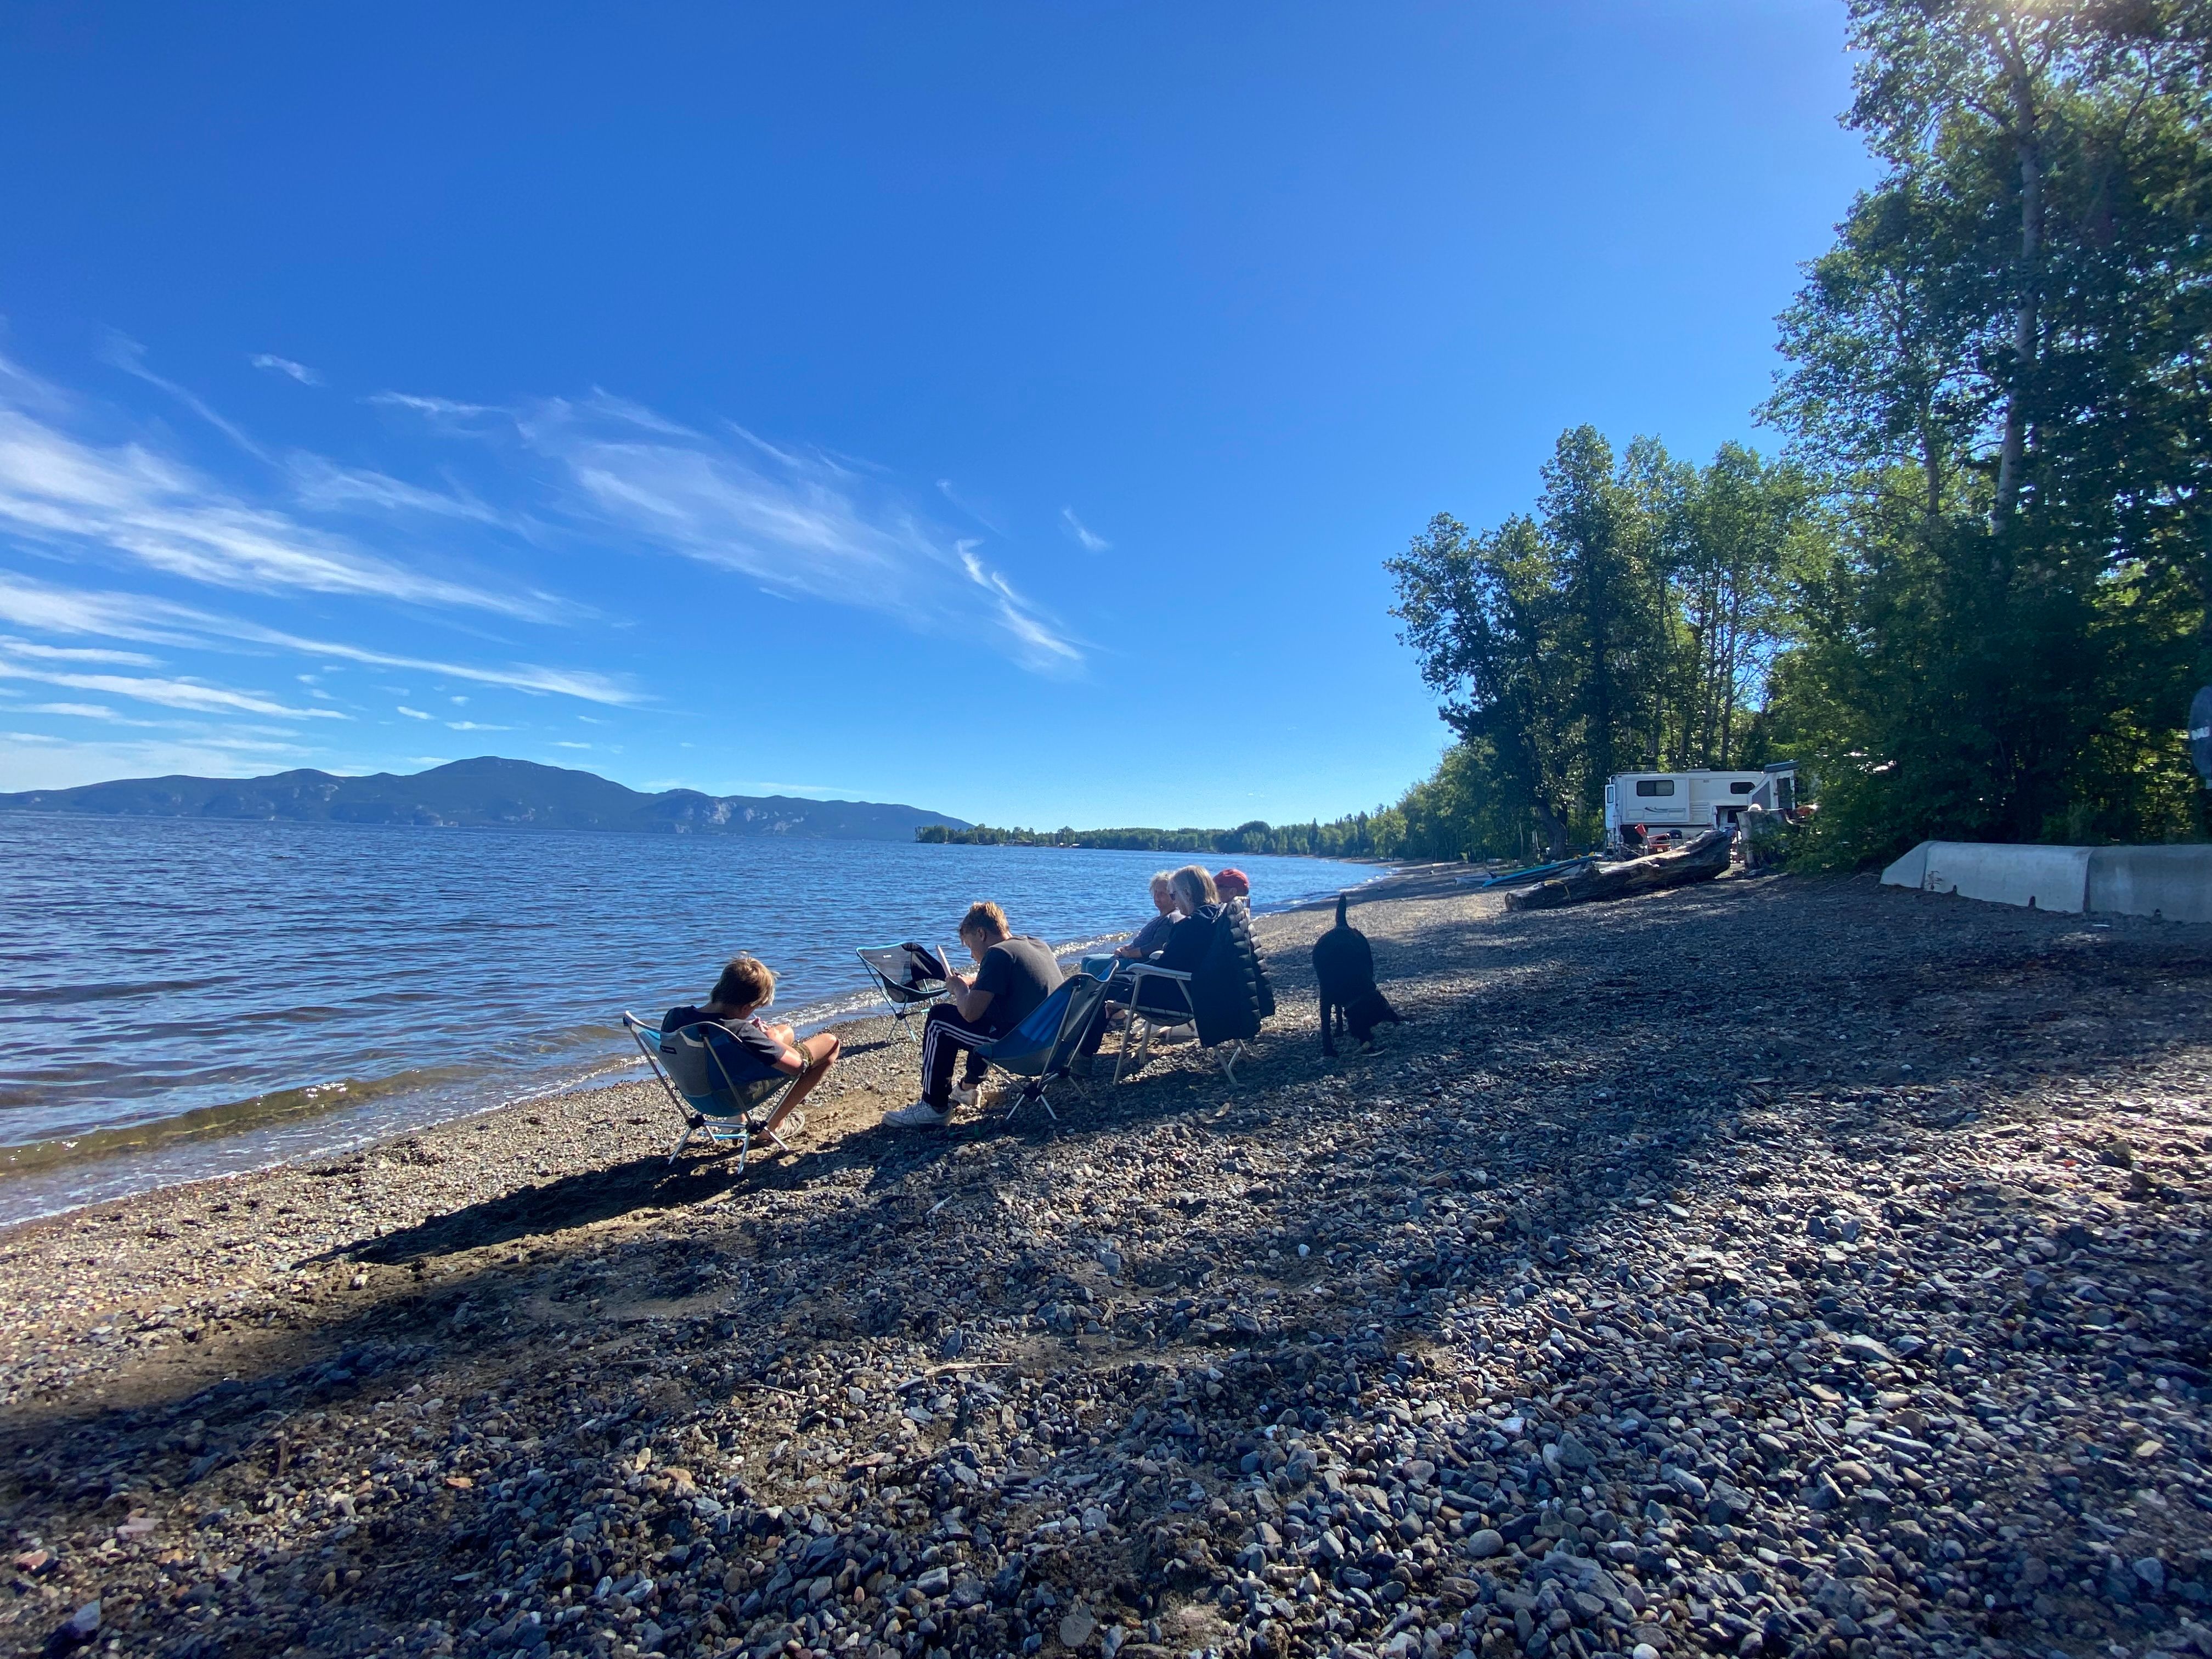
{"x":1731,"y":664}
{"x":1555,"y":830}
{"x":1705,"y":858}
{"x":2025,"y":316}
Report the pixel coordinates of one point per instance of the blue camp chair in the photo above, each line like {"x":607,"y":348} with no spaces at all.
{"x":1039,"y":1049}
{"x":701,"y":1079}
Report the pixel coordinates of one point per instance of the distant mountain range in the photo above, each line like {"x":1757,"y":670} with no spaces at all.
{"x":483,"y":793}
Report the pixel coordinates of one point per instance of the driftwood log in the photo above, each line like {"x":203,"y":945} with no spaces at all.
{"x":1700,"y":859}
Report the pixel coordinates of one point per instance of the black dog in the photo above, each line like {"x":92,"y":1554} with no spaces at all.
{"x":1344,"y":965}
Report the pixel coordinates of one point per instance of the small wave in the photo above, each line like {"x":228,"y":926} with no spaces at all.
{"x":233,"y":1117}
{"x":116,"y":991}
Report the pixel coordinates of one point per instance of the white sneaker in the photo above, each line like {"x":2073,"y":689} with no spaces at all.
{"x":965,"y":1094}
{"x":920,"y":1116}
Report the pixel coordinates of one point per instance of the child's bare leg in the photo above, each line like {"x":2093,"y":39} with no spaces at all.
{"x":821,"y":1052}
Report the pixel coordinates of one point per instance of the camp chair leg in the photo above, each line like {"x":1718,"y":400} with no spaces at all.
{"x":1033,"y":1090}
{"x":1136,"y":1044}
{"x":691,"y":1127}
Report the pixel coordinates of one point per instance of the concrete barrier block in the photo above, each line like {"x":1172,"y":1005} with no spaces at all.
{"x":2172,"y":882}
{"x":2039,"y":878}
{"x":1909,"y":871}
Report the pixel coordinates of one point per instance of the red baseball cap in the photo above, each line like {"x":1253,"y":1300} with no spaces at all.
{"x":1232,"y":884}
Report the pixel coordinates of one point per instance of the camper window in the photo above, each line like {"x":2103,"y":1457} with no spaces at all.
{"x":1741,"y":788}
{"x":1648,"y":787}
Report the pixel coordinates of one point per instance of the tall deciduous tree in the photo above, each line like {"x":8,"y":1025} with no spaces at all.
{"x":1628,"y":625}
{"x":2002,"y":367}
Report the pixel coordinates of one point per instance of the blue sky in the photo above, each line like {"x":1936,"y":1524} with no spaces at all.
{"x":1004,"y":409}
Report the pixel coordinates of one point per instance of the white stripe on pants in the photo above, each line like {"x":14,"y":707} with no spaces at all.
{"x":943,"y":1035}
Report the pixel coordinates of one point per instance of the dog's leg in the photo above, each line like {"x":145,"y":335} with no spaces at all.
{"x":1328,"y":1027}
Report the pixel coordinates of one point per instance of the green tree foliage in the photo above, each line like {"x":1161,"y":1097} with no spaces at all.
{"x":1974,"y":598}
{"x":1628,"y":625}
{"x":2000,"y":369}
{"x":1362,"y":835}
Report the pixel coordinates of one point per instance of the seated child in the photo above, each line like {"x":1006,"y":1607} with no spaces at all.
{"x":746,"y":986}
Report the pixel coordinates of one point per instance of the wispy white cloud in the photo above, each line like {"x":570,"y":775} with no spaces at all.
{"x":54,"y":610}
{"x":798,"y":524}
{"x":127,"y":355}
{"x":1043,"y":646}
{"x":84,"y":711}
{"x":173,"y":693}
{"x":325,"y":486}
{"x":413,"y":714}
{"x":616,"y":691}
{"x":442,"y":413}
{"x":77,"y":653}
{"x":125,"y":499}
{"x":960,"y":501}
{"x":276,"y":365}
{"x":474,"y":725}
{"x":1089,"y":539}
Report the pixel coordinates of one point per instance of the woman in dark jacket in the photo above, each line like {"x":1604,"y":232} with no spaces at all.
{"x":1189,"y":939}
{"x":1188,"y":942}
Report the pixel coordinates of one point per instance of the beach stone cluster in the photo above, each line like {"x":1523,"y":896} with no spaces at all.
{"x":1607,"y":1312}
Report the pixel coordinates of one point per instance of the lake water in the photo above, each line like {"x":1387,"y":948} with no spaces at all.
{"x":180,"y":999}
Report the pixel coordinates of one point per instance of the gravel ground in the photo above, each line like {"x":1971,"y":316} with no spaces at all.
{"x":1775,"y":1267}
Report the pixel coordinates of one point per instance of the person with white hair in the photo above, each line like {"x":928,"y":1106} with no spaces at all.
{"x":1154,"y":933}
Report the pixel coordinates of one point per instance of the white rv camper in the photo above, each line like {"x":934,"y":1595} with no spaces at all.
{"x":1675,"y":805}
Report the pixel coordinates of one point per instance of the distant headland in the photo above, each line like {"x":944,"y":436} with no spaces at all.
{"x":486,"y":792}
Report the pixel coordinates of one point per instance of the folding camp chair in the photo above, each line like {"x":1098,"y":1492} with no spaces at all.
{"x":1159,"y":1000}
{"x":1041,"y":1048}
{"x":692,"y":1072}
{"x":890,"y":967}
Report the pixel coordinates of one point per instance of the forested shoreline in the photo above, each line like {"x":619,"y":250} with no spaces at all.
{"x":1361,"y":834}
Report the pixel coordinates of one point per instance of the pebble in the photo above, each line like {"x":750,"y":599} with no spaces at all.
{"x":1514,"y":1338}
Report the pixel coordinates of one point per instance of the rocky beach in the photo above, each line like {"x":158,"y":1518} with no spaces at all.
{"x":1784,"y":1266}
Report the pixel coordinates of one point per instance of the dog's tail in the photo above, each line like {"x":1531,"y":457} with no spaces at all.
{"x":1341,"y":901}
